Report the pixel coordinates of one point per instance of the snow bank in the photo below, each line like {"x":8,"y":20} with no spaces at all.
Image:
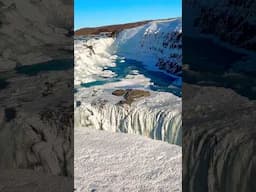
{"x":121,"y":162}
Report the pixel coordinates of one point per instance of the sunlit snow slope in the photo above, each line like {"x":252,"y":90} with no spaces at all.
{"x":158,"y":44}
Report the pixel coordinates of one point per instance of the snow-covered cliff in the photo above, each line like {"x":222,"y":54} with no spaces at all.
{"x":157,"y":44}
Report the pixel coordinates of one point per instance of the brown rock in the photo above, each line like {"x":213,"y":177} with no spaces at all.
{"x":119,"y":92}
{"x":134,"y":94}
{"x":130,"y":95}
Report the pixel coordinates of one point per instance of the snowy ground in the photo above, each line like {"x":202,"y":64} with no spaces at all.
{"x":116,"y":162}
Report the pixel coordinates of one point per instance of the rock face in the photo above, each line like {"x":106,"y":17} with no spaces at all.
{"x":122,"y":162}
{"x":153,"y":114}
{"x":130,"y":95}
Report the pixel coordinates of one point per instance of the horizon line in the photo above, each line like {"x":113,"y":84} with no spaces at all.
{"x":130,"y":22}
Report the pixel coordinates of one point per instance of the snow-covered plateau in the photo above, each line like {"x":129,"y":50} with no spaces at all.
{"x":121,"y":162}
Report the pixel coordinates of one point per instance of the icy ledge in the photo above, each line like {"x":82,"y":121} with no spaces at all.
{"x":121,"y":162}
{"x":157,"y":116}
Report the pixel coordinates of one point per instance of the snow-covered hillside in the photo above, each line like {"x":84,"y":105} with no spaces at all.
{"x":120,"y":162}
{"x":157,"y":44}
{"x":157,"y":116}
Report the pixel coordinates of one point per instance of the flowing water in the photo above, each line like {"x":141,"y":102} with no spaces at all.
{"x":54,"y":65}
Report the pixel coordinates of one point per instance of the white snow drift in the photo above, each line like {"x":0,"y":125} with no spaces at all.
{"x":120,"y":162}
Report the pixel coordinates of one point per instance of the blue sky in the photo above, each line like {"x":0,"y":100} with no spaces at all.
{"x":91,"y":13}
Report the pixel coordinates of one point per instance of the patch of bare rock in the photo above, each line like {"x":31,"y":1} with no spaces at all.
{"x":130,"y":95}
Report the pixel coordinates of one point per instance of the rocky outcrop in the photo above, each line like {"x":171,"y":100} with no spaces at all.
{"x":130,"y":95}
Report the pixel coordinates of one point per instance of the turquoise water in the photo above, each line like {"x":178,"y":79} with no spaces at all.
{"x":3,"y":83}
{"x":161,"y":81}
{"x":54,"y":65}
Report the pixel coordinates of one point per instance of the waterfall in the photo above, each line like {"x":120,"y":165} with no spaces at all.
{"x":159,"y":120}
